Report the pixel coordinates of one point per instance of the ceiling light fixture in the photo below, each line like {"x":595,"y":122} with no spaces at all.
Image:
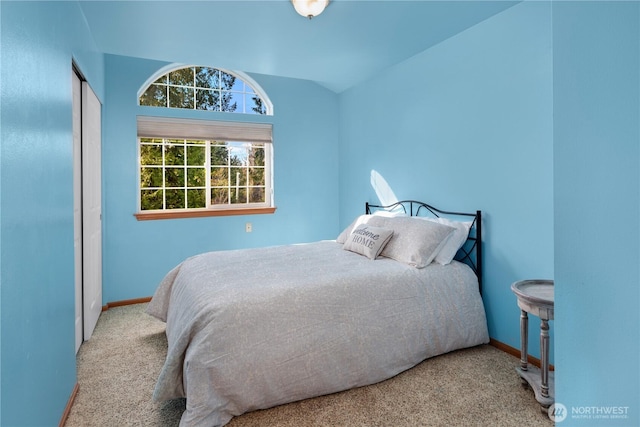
{"x":309,"y":8}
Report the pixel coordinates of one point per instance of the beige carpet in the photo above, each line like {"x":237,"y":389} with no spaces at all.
{"x":118,"y":366}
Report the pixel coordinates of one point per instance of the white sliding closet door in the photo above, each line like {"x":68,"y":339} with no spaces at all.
{"x":91,"y":209}
{"x":77,"y":202}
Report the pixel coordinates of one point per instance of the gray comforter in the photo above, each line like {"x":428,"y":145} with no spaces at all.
{"x":255,"y":328}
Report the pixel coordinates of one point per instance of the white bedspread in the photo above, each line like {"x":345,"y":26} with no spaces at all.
{"x":256,"y":328}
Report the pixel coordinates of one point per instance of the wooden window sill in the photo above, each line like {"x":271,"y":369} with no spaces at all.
{"x":146,"y":216}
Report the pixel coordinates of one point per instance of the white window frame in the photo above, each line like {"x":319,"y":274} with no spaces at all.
{"x":209,"y":130}
{"x":248,"y":80}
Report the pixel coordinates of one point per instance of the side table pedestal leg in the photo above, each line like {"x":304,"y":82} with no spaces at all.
{"x":524,"y":339}
{"x":544,"y":353}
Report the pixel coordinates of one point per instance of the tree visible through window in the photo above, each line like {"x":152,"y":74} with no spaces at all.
{"x":203,"y":88}
{"x":192,"y":174}
{"x":190,"y":165}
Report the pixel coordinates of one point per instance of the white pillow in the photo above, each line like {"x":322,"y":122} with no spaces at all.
{"x":415,"y":243}
{"x":455,"y":240}
{"x":391,"y":213}
{"x":368,"y":240}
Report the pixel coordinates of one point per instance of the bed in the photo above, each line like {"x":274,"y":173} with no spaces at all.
{"x":255,"y":328}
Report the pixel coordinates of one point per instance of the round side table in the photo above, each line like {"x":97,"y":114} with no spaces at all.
{"x":536,"y":297}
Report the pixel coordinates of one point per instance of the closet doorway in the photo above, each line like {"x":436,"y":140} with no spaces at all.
{"x":87,"y":207}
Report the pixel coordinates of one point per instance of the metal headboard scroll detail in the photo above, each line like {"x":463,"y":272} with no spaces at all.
{"x":472,"y":246}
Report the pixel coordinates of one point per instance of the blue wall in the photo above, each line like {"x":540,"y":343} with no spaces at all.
{"x":137,"y":254}
{"x":38,"y":361}
{"x":597,"y":207}
{"x":467,"y":125}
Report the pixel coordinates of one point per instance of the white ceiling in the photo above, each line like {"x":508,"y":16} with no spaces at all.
{"x":349,"y":42}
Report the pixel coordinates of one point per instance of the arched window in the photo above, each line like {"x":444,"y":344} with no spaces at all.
{"x":205,"y":88}
{"x":193,"y":167}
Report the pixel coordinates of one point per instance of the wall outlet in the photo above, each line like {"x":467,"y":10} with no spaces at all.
{"x":248,"y":227}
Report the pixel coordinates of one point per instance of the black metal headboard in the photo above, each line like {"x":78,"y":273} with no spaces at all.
{"x":471,"y":251}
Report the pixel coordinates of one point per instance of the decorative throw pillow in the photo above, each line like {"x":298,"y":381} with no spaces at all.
{"x":368,"y":240}
{"x":373,"y":219}
{"x":362,"y":219}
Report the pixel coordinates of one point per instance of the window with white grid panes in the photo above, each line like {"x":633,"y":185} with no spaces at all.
{"x":203,"y":174}
{"x":203,"y":88}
